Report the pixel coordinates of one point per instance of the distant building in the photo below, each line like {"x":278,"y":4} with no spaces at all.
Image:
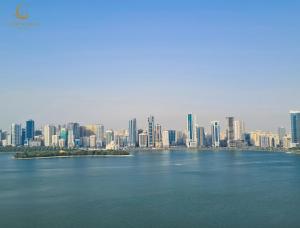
{"x":230,"y":131}
{"x":100,"y":135}
{"x":191,"y":136}
{"x":71,"y":139}
{"x":75,"y":128}
{"x":49,"y":131}
{"x":143,"y":140}
{"x":16,"y":134}
{"x":93,"y":143}
{"x":172,"y":137}
{"x":109,"y":136}
{"x":151,"y":131}
{"x":158,"y":136}
{"x":200,"y":136}
{"x":281,"y":135}
{"x":239,"y":130}
{"x":295,"y":128}
{"x":165,"y":139}
{"x":30,"y":130}
{"x":132,"y":133}
{"x":215,"y":133}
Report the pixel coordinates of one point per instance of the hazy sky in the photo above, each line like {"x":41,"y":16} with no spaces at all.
{"x":109,"y":61}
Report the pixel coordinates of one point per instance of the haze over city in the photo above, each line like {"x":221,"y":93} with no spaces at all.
{"x":109,"y":61}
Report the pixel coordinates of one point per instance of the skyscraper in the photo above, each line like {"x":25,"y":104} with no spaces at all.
{"x":29,"y":130}
{"x":151,"y":131}
{"x":100,"y":135}
{"x":158,"y":135}
{"x":132,"y":133}
{"x":172,"y":137}
{"x":191,"y":136}
{"x":16,"y":134}
{"x":281,"y":135}
{"x":143,"y":139}
{"x":200,"y":136}
{"x":215,"y":133}
{"x":49,"y":131}
{"x":230,"y":131}
{"x":295,"y":128}
{"x":165,"y":139}
{"x":239,"y":130}
{"x":75,"y":127}
{"x":109,"y":136}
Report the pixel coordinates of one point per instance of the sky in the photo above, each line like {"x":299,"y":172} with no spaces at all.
{"x":110,"y":61}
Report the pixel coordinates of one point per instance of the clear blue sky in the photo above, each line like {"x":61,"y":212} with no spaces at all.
{"x":108,"y":61}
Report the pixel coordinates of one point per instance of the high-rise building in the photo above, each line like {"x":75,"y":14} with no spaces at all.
{"x":64,"y":136}
{"x":109,"y":136}
{"x":75,"y":127}
{"x":16,"y":134}
{"x":49,"y":131}
{"x":295,"y":128}
{"x":165,"y":139}
{"x":132,"y":133}
{"x":151,"y":131}
{"x":200,"y":136}
{"x":143,"y":140}
{"x":23,"y":138}
{"x":239,"y":130}
{"x":230,"y":131}
{"x":215,"y":133}
{"x":30,"y":130}
{"x":191,"y":136}
{"x":100,"y":135}
{"x":71,"y":139}
{"x":158,"y":135}
{"x":281,"y":135}
{"x":172,"y":137}
{"x":93,"y":141}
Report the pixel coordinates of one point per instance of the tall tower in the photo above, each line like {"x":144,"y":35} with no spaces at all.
{"x":158,"y":135}
{"x":215,"y":133}
{"x":49,"y":131}
{"x":239,"y":130}
{"x":230,"y":131}
{"x":151,"y":131}
{"x":191,"y":131}
{"x":295,"y":128}
{"x":200,"y":136}
{"x":16,"y":134}
{"x":132,"y":133}
{"x":29,"y":134}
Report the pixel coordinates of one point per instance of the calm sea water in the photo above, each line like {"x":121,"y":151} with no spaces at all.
{"x":152,"y":189}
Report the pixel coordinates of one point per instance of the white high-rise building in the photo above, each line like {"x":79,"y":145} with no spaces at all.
{"x":239,"y":130}
{"x":55,"y":140}
{"x":215,"y":133}
{"x":165,"y":139}
{"x":93,"y":141}
{"x":143,"y":139}
{"x":71,"y":139}
{"x":49,"y":131}
{"x":16,"y":134}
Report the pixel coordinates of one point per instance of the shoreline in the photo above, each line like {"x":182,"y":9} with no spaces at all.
{"x":73,"y":156}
